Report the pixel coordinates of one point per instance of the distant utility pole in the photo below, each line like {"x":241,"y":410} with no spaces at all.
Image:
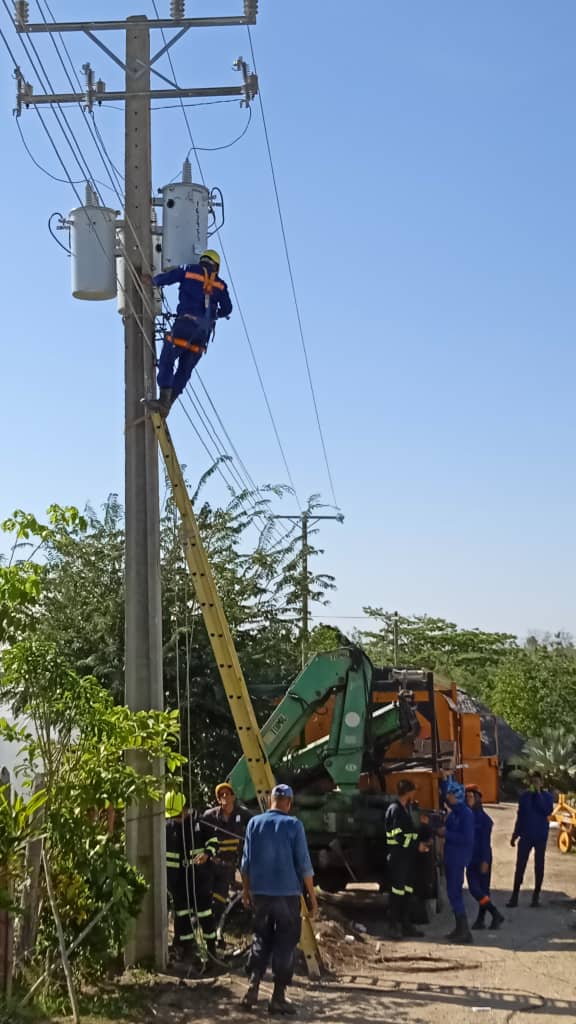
{"x":307,"y":519}
{"x":145,"y":823}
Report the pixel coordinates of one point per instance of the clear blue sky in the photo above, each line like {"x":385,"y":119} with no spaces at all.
{"x":426,"y":160}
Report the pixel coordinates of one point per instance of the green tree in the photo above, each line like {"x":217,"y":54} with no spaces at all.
{"x":428,"y":642}
{"x":68,"y":589}
{"x":535,"y":689}
{"x":78,"y":738}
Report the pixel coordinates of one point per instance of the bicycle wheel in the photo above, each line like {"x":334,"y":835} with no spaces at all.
{"x":234,"y":928}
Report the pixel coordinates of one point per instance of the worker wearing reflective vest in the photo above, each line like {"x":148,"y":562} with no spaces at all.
{"x":479,"y":869}
{"x":202,"y":299}
{"x":402,"y":845}
{"x":227,"y":821}
{"x":190,"y":848}
{"x":458,"y":852}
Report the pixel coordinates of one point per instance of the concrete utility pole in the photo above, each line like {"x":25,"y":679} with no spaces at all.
{"x":145,"y":836}
{"x":307,"y":519}
{"x":145,"y":832}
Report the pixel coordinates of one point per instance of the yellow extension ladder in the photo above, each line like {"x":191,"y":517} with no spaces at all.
{"x":226,"y":656}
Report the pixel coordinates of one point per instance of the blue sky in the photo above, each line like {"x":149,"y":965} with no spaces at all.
{"x":425,"y":155}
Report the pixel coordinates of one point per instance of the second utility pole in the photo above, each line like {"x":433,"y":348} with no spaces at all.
{"x":145,"y":835}
{"x":305,"y":518}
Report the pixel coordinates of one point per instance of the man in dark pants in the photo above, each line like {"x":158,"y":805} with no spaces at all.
{"x":402,"y":844}
{"x":479,"y":870}
{"x":189,"y":851}
{"x":531,"y":830}
{"x":275,"y":867}
{"x":458,"y":850}
{"x":228,"y":821}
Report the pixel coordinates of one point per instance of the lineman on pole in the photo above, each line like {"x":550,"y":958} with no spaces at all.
{"x":202,"y":299}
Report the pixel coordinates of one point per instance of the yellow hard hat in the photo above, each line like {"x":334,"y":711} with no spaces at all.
{"x":221,"y":786}
{"x":211,"y":254}
{"x":174,"y":804}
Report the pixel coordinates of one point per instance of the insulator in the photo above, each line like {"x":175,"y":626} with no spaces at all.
{"x":21,"y":12}
{"x":178,"y":9}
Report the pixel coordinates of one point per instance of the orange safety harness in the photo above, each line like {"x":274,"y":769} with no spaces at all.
{"x":209,"y":283}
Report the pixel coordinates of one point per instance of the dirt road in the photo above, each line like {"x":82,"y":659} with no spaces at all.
{"x":523,"y":974}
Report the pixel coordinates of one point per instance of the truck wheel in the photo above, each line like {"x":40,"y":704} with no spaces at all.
{"x":564,"y":840}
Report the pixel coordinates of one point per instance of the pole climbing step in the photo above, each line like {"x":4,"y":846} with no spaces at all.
{"x":225,"y":654}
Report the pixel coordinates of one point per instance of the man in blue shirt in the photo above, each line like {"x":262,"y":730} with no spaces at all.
{"x":531,"y":830}
{"x":276,"y":869}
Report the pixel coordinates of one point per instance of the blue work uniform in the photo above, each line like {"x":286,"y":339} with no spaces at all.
{"x":531,"y":831}
{"x":276,"y":861}
{"x":202,"y":299}
{"x":458,"y":851}
{"x":478,"y":882}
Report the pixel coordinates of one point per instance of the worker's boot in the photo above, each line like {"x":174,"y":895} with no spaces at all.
{"x":408,"y":929}
{"x":279,"y":1003}
{"x":162,"y":405}
{"x":463,"y":936}
{"x":395,"y":929}
{"x":535,"y":901}
{"x":497,"y":917}
{"x":453,"y":934}
{"x":252,"y":992}
{"x":479,"y":925}
{"x":513,"y":901}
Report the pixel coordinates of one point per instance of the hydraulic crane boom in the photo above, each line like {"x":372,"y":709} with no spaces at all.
{"x":225,"y":653}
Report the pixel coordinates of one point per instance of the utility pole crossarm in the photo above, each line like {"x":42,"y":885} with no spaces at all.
{"x":225,"y":654}
{"x":120,"y":26}
{"x":28,"y":99}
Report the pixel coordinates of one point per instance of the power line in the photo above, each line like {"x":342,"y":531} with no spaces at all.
{"x":65,"y":181}
{"x":291,"y":275}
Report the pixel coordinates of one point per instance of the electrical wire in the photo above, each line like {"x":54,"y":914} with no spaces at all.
{"x":228,"y":145}
{"x":64,"y":181}
{"x":291,"y":276}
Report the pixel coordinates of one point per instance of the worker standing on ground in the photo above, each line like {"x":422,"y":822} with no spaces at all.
{"x":190,"y":848}
{"x":402,"y":844}
{"x":227,"y":821}
{"x":531,"y":830}
{"x":202,"y":299}
{"x":458,"y":851}
{"x":276,"y":869}
{"x":479,"y":870}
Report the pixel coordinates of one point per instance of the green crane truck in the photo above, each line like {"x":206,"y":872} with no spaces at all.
{"x":344,"y":821}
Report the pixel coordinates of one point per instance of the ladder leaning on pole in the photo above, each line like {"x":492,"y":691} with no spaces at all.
{"x":226,"y":656}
